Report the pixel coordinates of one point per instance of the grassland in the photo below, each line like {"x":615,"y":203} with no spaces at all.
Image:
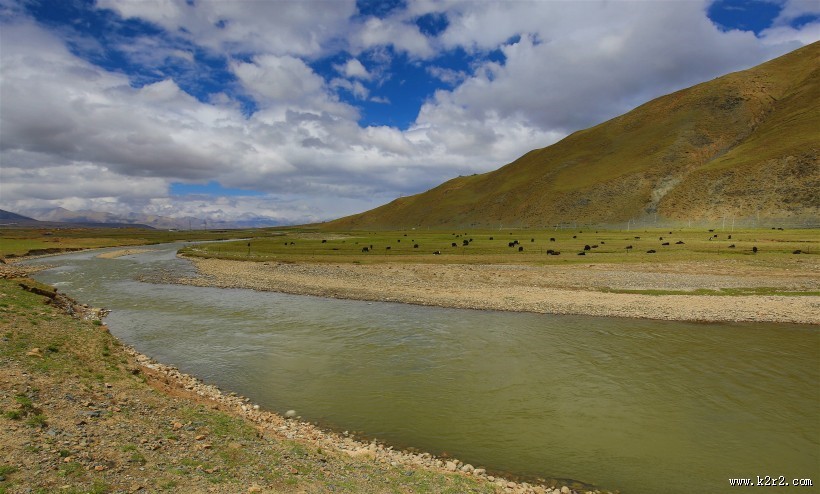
{"x":21,"y":241}
{"x":774,"y":247}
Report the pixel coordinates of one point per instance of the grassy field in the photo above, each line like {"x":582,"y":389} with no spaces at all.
{"x":532,"y":247}
{"x":20,"y":241}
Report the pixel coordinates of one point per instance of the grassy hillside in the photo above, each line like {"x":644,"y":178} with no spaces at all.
{"x":742,"y":145}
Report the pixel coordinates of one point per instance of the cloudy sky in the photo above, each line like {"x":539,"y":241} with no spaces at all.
{"x":309,"y":110}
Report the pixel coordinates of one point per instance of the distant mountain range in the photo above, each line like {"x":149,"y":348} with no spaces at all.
{"x":14,"y":220}
{"x":98,"y":218}
{"x":744,"y":145}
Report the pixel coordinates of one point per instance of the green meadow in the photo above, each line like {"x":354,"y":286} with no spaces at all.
{"x":757,"y":246}
{"x":20,"y":241}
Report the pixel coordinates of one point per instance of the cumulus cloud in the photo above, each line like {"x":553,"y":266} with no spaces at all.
{"x":796,"y":9}
{"x":570,"y":66}
{"x":450,"y":76}
{"x":402,"y":35}
{"x":354,"y":69}
{"x":293,"y":28}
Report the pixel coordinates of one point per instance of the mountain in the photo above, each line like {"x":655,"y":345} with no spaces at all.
{"x":147,"y":220}
{"x":743,"y":145}
{"x":9,"y":218}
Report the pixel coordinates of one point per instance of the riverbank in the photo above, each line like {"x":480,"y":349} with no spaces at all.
{"x":83,"y":413}
{"x":672,"y":291}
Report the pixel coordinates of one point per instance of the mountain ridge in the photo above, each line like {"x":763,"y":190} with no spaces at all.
{"x":63,"y":215}
{"x":741,"y":145}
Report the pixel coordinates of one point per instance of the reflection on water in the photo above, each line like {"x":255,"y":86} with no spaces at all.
{"x":641,"y":406}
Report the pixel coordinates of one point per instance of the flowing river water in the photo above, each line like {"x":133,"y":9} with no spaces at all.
{"x":636,"y":405}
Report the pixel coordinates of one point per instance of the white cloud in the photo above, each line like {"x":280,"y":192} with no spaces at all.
{"x":278,"y":28}
{"x":795,"y":9}
{"x":403,"y":36}
{"x":355,"y":88}
{"x":447,"y":75}
{"x":354,"y":69}
{"x":569,"y":66}
{"x":782,"y":32}
{"x":279,"y":78}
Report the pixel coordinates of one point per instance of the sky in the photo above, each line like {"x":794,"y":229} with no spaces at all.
{"x":301,"y":111}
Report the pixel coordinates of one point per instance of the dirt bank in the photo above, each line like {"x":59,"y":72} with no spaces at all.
{"x":594,"y":289}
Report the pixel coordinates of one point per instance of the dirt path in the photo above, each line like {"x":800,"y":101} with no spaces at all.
{"x":579,"y":289}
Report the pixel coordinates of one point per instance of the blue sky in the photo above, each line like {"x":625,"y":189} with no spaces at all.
{"x":303,"y":111}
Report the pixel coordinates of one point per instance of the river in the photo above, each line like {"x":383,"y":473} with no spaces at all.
{"x":636,"y":405}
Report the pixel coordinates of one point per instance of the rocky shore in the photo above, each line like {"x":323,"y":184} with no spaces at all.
{"x":594,"y":289}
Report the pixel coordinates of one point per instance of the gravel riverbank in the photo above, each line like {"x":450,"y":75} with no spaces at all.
{"x":594,"y":289}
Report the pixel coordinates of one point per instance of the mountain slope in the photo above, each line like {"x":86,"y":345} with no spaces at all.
{"x":742,"y":145}
{"x":9,"y":217}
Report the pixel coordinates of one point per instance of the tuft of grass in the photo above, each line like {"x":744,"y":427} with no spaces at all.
{"x":139,"y":458}
{"x":71,"y":469}
{"x":38,"y":420}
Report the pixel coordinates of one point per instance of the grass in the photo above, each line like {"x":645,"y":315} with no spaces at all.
{"x":37,"y":420}
{"x":19,"y":241}
{"x":492,"y":246}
